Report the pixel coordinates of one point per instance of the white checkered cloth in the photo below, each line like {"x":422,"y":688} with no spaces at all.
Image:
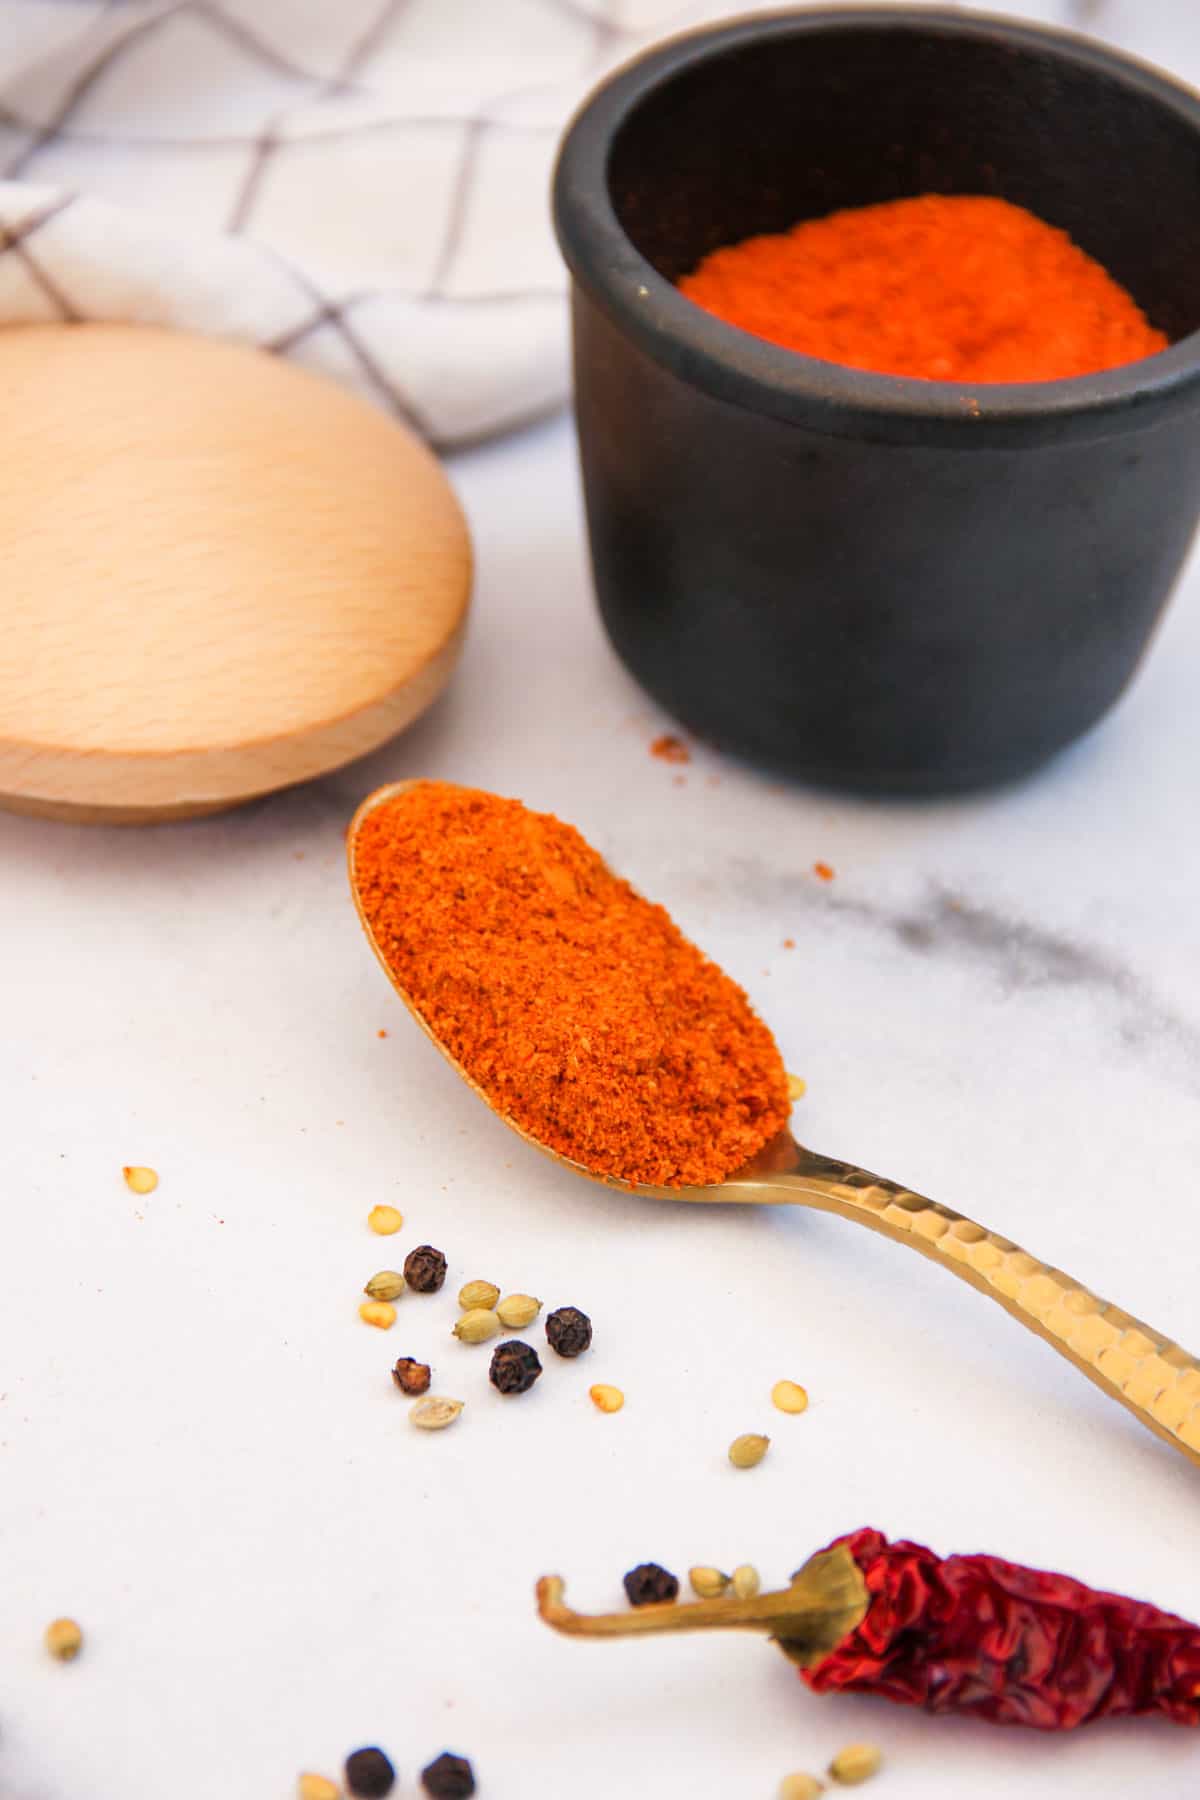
{"x":359,"y":184}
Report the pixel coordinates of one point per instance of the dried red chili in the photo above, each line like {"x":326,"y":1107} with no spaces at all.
{"x":961,"y":1634}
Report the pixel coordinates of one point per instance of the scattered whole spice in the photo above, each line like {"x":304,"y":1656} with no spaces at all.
{"x":369,"y":1774}
{"x":434,"y":1413}
{"x":568,"y":1331}
{"x":449,"y":1777}
{"x":789,"y":1397}
{"x":140,"y":1179}
{"x":650,"y":1585}
{"x":944,"y":287}
{"x":707,"y":1583}
{"x":797,"y":1087}
{"x":425,"y":1269}
{"x":410,"y":1376}
{"x":605,"y":1398}
{"x":855,"y":1764}
{"x":477,"y":1326}
{"x":800,"y":1787}
{"x":63,"y":1639}
{"x":578,"y":1008}
{"x":478,"y":1293}
{"x":747,"y":1451}
{"x":385,"y":1220}
{"x":388,"y":1284}
{"x":317,"y":1787}
{"x":380,"y":1313}
{"x":516,"y":1311}
{"x":745,"y":1581}
{"x":515,"y":1367}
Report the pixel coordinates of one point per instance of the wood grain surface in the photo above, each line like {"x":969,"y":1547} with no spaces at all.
{"x":223,"y":575}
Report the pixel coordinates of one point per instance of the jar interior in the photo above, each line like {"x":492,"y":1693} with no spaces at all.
{"x":755,"y":138}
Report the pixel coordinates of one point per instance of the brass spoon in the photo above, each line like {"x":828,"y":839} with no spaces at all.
{"x":1146,"y":1372}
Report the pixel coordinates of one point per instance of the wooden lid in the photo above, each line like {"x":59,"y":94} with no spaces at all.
{"x":222,"y":574}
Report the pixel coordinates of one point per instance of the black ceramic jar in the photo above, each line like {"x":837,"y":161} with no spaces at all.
{"x":864,"y":579}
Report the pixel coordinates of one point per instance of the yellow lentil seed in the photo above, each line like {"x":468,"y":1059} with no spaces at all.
{"x":856,"y":1763}
{"x":63,"y":1639}
{"x":478,"y":1295}
{"x":385,"y":1220}
{"x":747,"y":1451}
{"x":317,"y":1787}
{"x":745,"y":1581}
{"x":708,"y":1584}
{"x":800,"y":1787}
{"x":380,"y":1313}
{"x":139,"y":1179}
{"x":789,"y":1397}
{"x":606,"y":1398}
{"x":797,"y":1087}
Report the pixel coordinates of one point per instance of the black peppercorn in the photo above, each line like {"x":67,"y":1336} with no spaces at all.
{"x":410,"y":1376}
{"x":449,"y":1777}
{"x":569,"y":1331}
{"x":515,"y":1367}
{"x":650,"y":1584}
{"x":369,"y":1774}
{"x":425,"y":1269}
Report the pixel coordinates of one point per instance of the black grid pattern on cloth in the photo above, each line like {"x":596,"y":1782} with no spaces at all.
{"x":121,"y":25}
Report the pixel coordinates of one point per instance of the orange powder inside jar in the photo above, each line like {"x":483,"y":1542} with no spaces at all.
{"x":941,"y":287}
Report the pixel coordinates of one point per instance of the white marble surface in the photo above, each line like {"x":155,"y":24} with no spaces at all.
{"x":201,"y":1455}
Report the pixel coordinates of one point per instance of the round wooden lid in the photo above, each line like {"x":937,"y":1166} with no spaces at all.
{"x":222,"y":574}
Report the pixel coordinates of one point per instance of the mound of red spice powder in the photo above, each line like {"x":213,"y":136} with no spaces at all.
{"x":579,"y":1008}
{"x":945,"y":287}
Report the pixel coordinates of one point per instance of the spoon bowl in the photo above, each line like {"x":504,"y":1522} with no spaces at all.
{"x":1132,"y":1362}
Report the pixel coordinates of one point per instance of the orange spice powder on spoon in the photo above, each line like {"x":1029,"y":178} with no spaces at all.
{"x":941,"y":287}
{"x":577,"y":1007}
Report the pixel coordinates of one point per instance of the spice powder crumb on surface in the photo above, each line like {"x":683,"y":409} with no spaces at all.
{"x":579,"y":1009}
{"x":670,"y":748}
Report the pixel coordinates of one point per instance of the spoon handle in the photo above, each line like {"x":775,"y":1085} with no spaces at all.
{"x":1154,"y":1378}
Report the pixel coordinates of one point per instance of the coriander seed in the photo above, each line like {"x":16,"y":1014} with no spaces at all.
{"x":63,"y":1639}
{"x":369,"y":1774}
{"x":139,"y":1179}
{"x":388,"y":1284}
{"x":607,"y":1399}
{"x":568,"y":1331}
{"x":800,"y":1787}
{"x":516,"y":1311}
{"x":476,"y":1326}
{"x":515,"y":1367}
{"x":434,"y":1413}
{"x":789,"y":1397}
{"x":745,"y":1581}
{"x":478,"y":1293}
{"x":425,"y":1269}
{"x":708,"y":1583}
{"x":449,"y":1777}
{"x":411,"y":1376}
{"x":747,"y":1451}
{"x":856,"y":1763}
{"x":385,"y":1220}
{"x":317,"y":1787}
{"x":380,"y":1313}
{"x":650,"y":1585}
{"x":797,"y":1087}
